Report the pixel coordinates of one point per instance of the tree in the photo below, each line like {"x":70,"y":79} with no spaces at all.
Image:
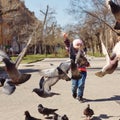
{"x":94,"y":18}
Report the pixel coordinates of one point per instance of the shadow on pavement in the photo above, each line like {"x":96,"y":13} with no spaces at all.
{"x":28,"y":70}
{"x":114,"y":98}
{"x":103,"y":116}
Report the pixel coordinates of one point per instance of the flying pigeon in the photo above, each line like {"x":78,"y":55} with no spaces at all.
{"x":50,"y":81}
{"x":75,"y":73}
{"x":10,"y":67}
{"x":115,"y":9}
{"x":46,"y":83}
{"x":14,"y":75}
{"x":41,"y":91}
{"x":88,"y":112}
{"x":111,"y":63}
{"x":46,"y":111}
{"x":81,"y":60}
{"x":29,"y":117}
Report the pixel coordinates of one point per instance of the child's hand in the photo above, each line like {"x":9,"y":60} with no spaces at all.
{"x":65,"y":35}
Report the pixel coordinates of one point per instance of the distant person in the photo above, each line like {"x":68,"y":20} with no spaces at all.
{"x":85,"y":50}
{"x":77,"y":85}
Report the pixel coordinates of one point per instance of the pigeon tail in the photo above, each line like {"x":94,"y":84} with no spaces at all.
{"x":100,"y":74}
{"x":29,"y":117}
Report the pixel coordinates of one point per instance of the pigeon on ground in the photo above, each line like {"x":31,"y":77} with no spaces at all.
{"x":46,"y":111}
{"x":88,"y":112}
{"x":29,"y":117}
{"x":41,"y":90}
{"x":115,"y":9}
{"x":111,"y":65}
{"x":58,"y":117}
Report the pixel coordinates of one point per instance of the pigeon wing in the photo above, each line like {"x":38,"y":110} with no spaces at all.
{"x":104,"y":51}
{"x":41,"y":82}
{"x":49,"y":111}
{"x":23,"y":78}
{"x":78,"y":55}
{"x":50,"y":81}
{"x":22,"y":54}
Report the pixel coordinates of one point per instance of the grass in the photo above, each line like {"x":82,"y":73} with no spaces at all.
{"x":36,"y":57}
{"x":97,"y":54}
{"x":30,"y":58}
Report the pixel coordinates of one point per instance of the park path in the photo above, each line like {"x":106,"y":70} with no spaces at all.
{"x":103,"y":94}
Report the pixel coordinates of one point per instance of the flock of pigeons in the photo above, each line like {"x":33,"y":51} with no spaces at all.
{"x":12,"y":78}
{"x":88,"y":112}
{"x":50,"y":77}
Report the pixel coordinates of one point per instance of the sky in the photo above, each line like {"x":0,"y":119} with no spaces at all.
{"x":59,"y":6}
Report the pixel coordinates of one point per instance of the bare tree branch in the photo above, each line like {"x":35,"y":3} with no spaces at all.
{"x":101,"y":20}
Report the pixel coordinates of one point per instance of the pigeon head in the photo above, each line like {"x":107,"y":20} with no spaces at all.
{"x":38,"y":91}
{"x":64,"y":117}
{"x":88,"y":105}
{"x":40,"y":106}
{"x":26,"y":113}
{"x":35,"y":90}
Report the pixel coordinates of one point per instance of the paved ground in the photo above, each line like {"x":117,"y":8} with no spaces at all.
{"x":103,"y":95}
